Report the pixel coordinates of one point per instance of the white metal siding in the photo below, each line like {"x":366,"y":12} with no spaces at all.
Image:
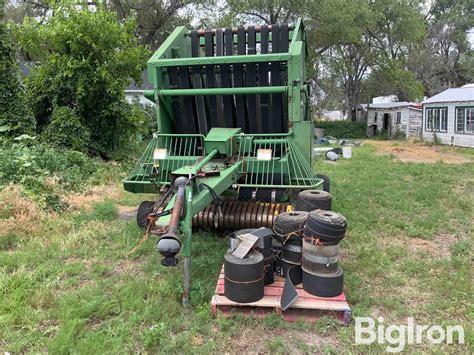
{"x":449,"y":137}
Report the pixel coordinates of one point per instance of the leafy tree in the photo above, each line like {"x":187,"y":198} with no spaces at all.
{"x":155,"y":18}
{"x":15,"y":119}
{"x":445,"y":58}
{"x":347,"y":40}
{"x":66,"y":130}
{"x":87,"y":59}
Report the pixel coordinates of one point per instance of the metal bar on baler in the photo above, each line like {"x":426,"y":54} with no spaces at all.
{"x":234,"y":30}
{"x":224,"y":91}
{"x":232,"y":59}
{"x":204,"y":161}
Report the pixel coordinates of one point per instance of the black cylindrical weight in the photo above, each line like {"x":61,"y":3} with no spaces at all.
{"x":291,"y":253}
{"x":326,"y":225}
{"x":320,"y":264}
{"x":319,"y":258}
{"x":289,"y":225}
{"x":323,"y":285}
{"x":310,"y":200}
{"x":244,"y":278}
{"x":283,"y":265}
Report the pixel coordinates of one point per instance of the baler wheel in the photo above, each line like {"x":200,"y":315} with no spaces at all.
{"x":326,"y":182}
{"x":143,"y":211}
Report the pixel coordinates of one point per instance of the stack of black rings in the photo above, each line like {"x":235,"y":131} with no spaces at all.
{"x":322,"y":275}
{"x":287,"y":229}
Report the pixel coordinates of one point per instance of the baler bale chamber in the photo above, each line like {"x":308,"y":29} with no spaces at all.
{"x":234,"y":137}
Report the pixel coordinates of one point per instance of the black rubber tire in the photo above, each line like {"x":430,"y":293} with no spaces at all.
{"x":326,"y":182}
{"x":310,"y":200}
{"x":324,"y":285}
{"x":143,"y":211}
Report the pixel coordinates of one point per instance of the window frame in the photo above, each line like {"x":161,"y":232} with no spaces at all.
{"x":464,"y":121}
{"x":398,"y":118}
{"x":436,"y":117}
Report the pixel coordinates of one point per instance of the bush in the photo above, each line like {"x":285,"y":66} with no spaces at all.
{"x":15,"y":118}
{"x":343,"y":129}
{"x":66,"y":130}
{"x":44,"y":172}
{"x":87,"y":60}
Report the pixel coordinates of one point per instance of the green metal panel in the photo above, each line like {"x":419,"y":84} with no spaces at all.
{"x":221,"y":139}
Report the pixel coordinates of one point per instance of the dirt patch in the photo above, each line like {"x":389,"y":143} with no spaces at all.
{"x":127,"y":213}
{"x":84,"y":200}
{"x":407,"y":151}
{"x":17,"y":212}
{"x":250,"y":340}
{"x":437,"y":248}
{"x":128,"y":267}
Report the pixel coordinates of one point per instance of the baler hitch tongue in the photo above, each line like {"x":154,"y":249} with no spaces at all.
{"x":169,"y":245}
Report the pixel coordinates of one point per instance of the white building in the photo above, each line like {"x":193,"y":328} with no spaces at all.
{"x":394,"y":117}
{"x":332,"y":115}
{"x":135,"y":91}
{"x":450,"y":116}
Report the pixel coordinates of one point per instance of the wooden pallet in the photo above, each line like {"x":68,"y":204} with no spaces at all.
{"x":307,"y":307}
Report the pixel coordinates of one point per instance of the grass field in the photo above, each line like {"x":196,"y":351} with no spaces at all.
{"x":67,"y":285}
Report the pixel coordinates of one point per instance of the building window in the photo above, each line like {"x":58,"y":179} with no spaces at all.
{"x":444,"y":120}
{"x":375,"y":116}
{"x":465,"y":120}
{"x":437,"y":119}
{"x":429,"y":120}
{"x":399,"y":117}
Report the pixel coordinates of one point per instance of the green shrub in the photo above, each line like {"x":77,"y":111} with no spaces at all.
{"x":343,"y":129}
{"x":87,"y":60}
{"x":15,"y":117}
{"x":44,"y":172}
{"x":399,"y":134}
{"x":66,"y":131}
